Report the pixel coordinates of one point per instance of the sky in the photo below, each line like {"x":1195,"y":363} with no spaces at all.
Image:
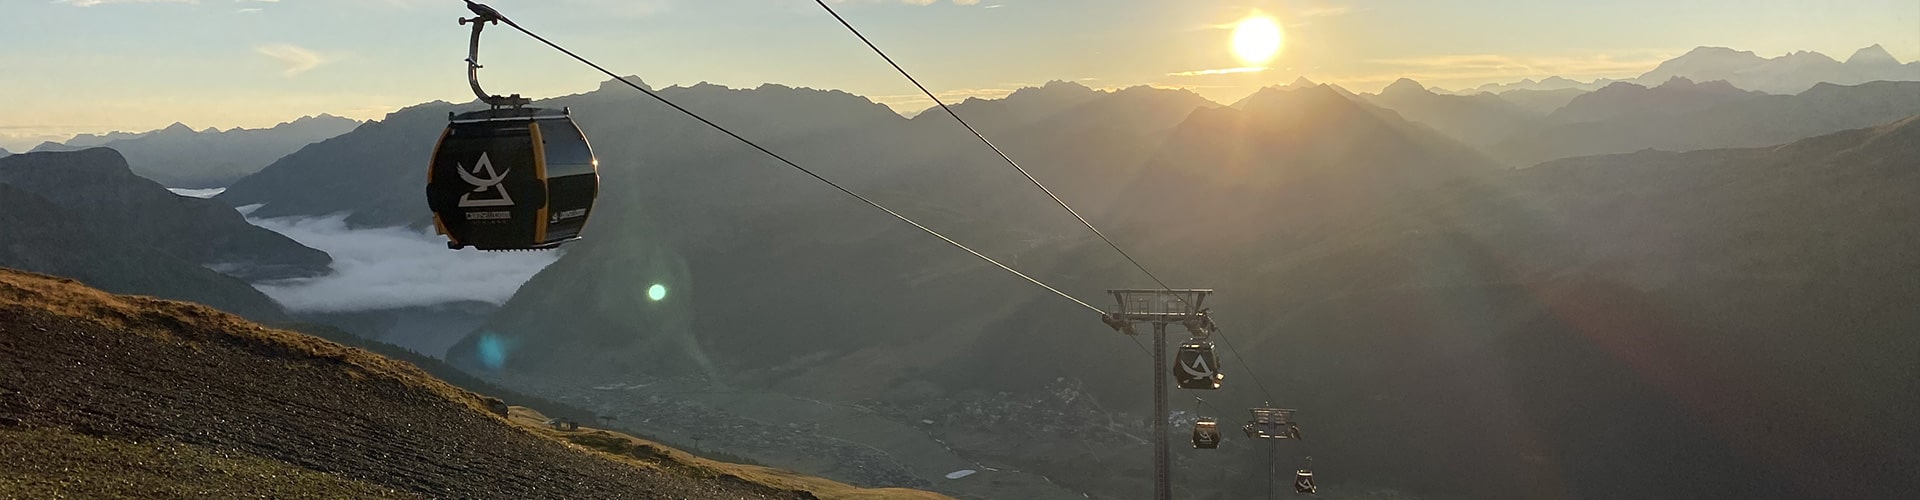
{"x":93,"y":66}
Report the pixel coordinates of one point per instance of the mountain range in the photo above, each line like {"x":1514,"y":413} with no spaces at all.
{"x":1791,"y":73}
{"x":1474,"y":119}
{"x":179,"y":157}
{"x":1738,"y":120}
{"x":1373,"y":265}
{"x":1676,"y":115}
{"x":1689,"y":284}
{"x":1675,"y":96}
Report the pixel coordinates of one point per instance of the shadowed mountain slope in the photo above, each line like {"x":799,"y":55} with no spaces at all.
{"x":1676,"y":96}
{"x":107,"y":199}
{"x":1541,"y":102}
{"x":1480,"y":119}
{"x":46,"y":238}
{"x":1744,"y":122}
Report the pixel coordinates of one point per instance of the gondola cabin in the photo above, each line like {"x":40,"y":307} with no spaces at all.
{"x":1197,"y":367}
{"x":1206,"y":433}
{"x":1303,"y":483}
{"x":512,"y":179}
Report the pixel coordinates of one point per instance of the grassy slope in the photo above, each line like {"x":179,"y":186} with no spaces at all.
{"x":652,"y":454}
{"x":121,"y":456}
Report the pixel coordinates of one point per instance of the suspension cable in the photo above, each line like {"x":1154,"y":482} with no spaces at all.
{"x":796,"y":166}
{"x":1036,"y":182}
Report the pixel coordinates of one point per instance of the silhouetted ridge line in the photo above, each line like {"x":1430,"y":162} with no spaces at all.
{"x":1036,"y":183}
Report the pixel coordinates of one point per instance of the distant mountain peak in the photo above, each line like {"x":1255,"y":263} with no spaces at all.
{"x":1404,"y":86}
{"x":1053,"y":87}
{"x":615,"y":83}
{"x":178,"y":128}
{"x":1677,"y":82}
{"x":1063,"y":84}
{"x":1808,"y":55}
{"x":1621,"y":87}
{"x":1302,"y":82}
{"x":1872,"y":54}
{"x":1706,"y":50}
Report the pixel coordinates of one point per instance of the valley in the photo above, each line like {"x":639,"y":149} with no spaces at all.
{"x":1688,"y":279}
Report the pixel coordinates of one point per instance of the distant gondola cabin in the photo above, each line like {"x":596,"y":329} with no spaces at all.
{"x":1197,"y":367}
{"x":1206,"y":433}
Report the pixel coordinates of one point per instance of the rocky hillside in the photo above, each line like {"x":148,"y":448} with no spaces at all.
{"x":114,"y":396}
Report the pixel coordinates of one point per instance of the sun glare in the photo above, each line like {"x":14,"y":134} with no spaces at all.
{"x":1256,"y":40}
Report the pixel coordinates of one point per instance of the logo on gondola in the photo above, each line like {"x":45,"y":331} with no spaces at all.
{"x":1198,"y":370}
{"x":566,"y":214}
{"x":491,"y":182}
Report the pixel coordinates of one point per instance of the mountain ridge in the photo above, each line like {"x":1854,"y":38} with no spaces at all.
{"x":177,"y":156}
{"x":1790,"y":73}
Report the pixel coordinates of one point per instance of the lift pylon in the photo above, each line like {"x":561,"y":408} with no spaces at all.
{"x":1160,"y":307}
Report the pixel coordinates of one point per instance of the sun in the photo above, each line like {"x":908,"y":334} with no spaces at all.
{"x":1257,"y":39}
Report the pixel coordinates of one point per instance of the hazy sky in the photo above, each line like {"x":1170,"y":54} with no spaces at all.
{"x":71,"y":66}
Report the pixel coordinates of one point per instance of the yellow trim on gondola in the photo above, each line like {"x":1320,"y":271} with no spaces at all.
{"x":441,"y":228}
{"x":540,"y":172}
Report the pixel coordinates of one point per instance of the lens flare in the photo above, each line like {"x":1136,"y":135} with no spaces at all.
{"x":493,"y":351}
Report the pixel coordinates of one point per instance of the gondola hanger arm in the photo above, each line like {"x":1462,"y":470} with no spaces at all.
{"x":484,"y":15}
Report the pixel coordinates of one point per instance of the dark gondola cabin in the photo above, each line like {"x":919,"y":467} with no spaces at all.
{"x":1197,"y":367}
{"x":1206,"y":433}
{"x":512,"y":179}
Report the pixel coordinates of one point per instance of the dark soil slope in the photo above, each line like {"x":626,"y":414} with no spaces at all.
{"x":94,"y":378}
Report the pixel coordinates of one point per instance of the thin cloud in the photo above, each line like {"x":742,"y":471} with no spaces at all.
{"x":90,"y":3}
{"x":387,"y":268}
{"x":296,"y":59}
{"x":1323,"y":11}
{"x":1222,"y":71}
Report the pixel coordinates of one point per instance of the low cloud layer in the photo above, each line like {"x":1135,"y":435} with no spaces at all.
{"x":396,"y":267}
{"x":198,"y":193}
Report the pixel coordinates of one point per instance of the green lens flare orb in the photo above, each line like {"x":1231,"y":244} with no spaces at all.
{"x":657,"y":292}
